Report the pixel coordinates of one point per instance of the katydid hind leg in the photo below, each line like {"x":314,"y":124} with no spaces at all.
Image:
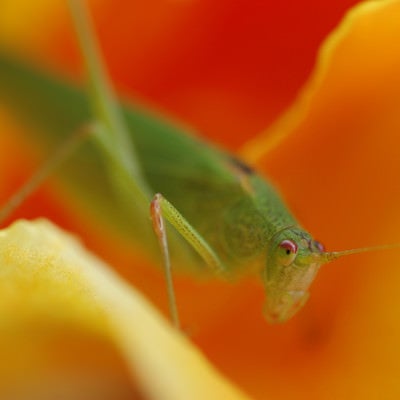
{"x":114,"y":133}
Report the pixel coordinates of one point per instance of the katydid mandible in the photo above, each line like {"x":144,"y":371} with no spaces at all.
{"x":226,"y":211}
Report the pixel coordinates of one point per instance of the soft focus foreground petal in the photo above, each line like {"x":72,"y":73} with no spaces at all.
{"x":51,"y":288}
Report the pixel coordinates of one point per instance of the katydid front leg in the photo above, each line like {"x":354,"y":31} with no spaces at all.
{"x":161,"y":208}
{"x":62,"y":153}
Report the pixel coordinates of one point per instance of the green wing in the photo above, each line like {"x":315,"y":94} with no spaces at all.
{"x":197,"y":178}
{"x":173,"y":161}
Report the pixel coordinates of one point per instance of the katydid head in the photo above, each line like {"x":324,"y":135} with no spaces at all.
{"x":293,"y":260}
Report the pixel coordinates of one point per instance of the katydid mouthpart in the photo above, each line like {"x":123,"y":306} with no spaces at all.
{"x":223,"y":209}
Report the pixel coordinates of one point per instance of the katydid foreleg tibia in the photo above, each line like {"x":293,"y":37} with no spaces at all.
{"x":161,"y":208}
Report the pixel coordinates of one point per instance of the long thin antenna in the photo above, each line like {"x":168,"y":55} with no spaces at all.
{"x":333,"y":255}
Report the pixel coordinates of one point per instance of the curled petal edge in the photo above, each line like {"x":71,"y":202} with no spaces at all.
{"x":360,"y":16}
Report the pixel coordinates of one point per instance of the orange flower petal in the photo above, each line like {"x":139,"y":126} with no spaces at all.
{"x":339,"y":166}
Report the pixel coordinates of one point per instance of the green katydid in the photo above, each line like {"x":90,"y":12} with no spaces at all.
{"x":223,"y":209}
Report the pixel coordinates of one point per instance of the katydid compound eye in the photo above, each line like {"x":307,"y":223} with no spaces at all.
{"x":289,"y":251}
{"x":289,"y":246}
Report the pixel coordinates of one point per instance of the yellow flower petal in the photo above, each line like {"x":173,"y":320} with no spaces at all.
{"x":50,"y":283}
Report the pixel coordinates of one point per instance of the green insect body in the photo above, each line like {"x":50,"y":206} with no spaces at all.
{"x":232,"y":208}
{"x":237,"y":211}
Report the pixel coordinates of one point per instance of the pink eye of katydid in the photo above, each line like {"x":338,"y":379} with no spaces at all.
{"x":289,"y":246}
{"x":289,"y":249}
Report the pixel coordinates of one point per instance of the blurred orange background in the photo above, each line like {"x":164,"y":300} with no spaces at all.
{"x":229,"y":68}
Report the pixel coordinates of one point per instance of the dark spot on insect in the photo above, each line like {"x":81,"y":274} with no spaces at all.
{"x":241,"y":166}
